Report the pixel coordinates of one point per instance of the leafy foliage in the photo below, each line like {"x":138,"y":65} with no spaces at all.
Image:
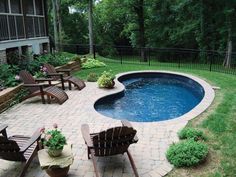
{"x":106,"y":80}
{"x":187,"y":153}
{"x":92,"y":77}
{"x":7,"y":75}
{"x":56,"y":59}
{"x":191,"y":133}
{"x":54,"y":139}
{"x":92,"y":63}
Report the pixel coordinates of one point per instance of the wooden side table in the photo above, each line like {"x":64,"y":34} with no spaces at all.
{"x":56,"y":166}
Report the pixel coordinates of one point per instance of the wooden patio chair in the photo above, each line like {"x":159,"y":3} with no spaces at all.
{"x":110,"y":142}
{"x":64,"y":75}
{"x":19,"y":148}
{"x":41,"y":89}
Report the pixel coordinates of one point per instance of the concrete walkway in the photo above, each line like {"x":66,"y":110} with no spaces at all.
{"x":148,"y":153}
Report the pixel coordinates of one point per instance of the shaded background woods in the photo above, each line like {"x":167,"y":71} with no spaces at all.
{"x":203,"y":25}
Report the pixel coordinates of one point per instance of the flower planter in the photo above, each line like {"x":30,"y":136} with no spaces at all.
{"x":58,"y":172}
{"x":54,"y":153}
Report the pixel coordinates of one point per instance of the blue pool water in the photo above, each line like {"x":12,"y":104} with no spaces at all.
{"x":152,"y":97}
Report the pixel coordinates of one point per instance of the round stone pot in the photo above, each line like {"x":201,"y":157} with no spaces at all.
{"x":54,"y":152}
{"x":111,"y":86}
{"x":58,"y":172}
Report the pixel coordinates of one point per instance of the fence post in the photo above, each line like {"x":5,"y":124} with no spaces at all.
{"x":94,"y":51}
{"x":211,"y":63}
{"x":179,"y":62}
{"x":121,"y":60}
{"x":149,"y":57}
{"x":77,"y":49}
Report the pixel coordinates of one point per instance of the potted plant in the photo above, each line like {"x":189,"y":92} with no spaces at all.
{"x":54,"y":141}
{"x":106,"y":80}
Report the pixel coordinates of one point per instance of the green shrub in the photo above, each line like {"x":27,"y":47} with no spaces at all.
{"x":191,"y":133}
{"x":56,"y":59}
{"x":7,"y":75}
{"x":92,"y":63}
{"x":187,"y":153}
{"x":92,"y":77}
{"x":106,"y":80}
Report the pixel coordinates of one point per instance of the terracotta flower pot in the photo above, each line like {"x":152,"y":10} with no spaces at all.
{"x":111,"y":86}
{"x":58,"y":172}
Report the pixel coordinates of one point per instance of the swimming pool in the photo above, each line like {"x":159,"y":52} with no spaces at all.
{"x":150,"y":97}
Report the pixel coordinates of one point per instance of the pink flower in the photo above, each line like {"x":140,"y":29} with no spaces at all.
{"x":44,"y":69}
{"x":17,"y":77}
{"x":55,"y":125}
{"x":48,"y":137}
{"x":42,"y":130}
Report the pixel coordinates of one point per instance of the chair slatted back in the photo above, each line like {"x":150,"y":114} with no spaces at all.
{"x":27,"y":78}
{"x":113,"y":141}
{"x":10,"y":150}
{"x":51,"y":69}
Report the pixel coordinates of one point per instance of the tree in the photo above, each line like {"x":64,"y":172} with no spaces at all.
{"x":90,"y":26}
{"x":57,"y":25}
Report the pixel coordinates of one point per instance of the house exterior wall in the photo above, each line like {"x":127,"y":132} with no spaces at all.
{"x":23,"y":26}
{"x":34,"y":42}
{"x":3,"y":56}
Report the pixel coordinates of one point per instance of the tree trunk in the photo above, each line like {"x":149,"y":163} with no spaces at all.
{"x":140,"y":13}
{"x":202,"y":42}
{"x":55,"y":24}
{"x":227,"y":62}
{"x":58,"y":11}
{"x":90,"y":19}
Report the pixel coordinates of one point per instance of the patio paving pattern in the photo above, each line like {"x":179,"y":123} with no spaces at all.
{"x":148,"y":153}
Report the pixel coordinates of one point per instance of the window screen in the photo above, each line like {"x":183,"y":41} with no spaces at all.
{"x":30,"y":7}
{"x":4,"y":6}
{"x":39,"y":7}
{"x":15,"y":6}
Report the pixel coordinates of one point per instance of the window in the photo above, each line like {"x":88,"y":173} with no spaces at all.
{"x":15,"y":6}
{"x":4,"y":6}
{"x":30,"y":7}
{"x":39,"y":7}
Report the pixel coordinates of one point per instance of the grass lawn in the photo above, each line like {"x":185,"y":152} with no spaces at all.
{"x":218,"y":122}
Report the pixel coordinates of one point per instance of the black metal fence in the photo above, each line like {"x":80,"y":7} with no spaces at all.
{"x":162,"y":57}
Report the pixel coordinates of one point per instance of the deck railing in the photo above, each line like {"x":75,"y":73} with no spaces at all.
{"x":160,"y":57}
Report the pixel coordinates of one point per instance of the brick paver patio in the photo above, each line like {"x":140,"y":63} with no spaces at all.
{"x":148,"y":153}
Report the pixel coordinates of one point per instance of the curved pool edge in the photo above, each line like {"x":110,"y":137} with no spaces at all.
{"x":196,"y":111}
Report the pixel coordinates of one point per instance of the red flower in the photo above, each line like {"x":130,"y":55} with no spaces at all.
{"x":42,"y":130}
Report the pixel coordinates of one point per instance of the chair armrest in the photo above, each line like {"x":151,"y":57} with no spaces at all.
{"x":128,"y":124}
{"x":35,"y":137}
{"x":43,"y":79}
{"x":35,"y":85}
{"x":67,"y":71}
{"x":3,"y":130}
{"x":55,"y":74}
{"x":86,"y":135}
{"x":3,"y":127}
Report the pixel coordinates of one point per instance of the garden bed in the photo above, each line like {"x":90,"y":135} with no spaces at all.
{"x":8,"y":96}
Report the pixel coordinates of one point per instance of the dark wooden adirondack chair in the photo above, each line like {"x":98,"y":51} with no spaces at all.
{"x":63,"y":75}
{"x":18,"y":148}
{"x":110,"y":142}
{"x":41,"y":89}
